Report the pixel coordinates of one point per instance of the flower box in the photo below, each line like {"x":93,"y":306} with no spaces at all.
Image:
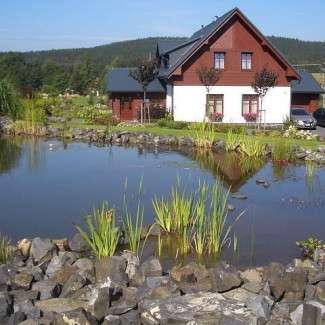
{"x":216,"y":117}
{"x":250,"y":117}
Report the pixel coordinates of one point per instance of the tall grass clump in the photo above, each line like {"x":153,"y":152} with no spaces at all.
{"x":219,"y":231}
{"x":5,"y":250}
{"x":132,"y":224}
{"x":102,"y":234}
{"x":251,"y":147}
{"x":10,"y":103}
{"x":205,"y":135}
{"x":281,"y":152}
{"x":232,"y":140}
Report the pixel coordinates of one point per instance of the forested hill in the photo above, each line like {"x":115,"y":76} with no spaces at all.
{"x":127,"y":53}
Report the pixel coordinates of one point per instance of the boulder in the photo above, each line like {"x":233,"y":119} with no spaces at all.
{"x":47,"y":289}
{"x":61,"y":276}
{"x":112,"y":320}
{"x":133,"y":263}
{"x":42,"y":249}
{"x":27,"y":307}
{"x":85,"y":267}
{"x":127,"y":303}
{"x":24,"y":246}
{"x":74,"y":283}
{"x":78,"y":316}
{"x":318,"y":277}
{"x":295,"y":284}
{"x":191,"y":278}
{"x":320,"y":291}
{"x":111,"y":270}
{"x":274,"y":275}
{"x":23,"y":280}
{"x":151,"y":267}
{"x":224,"y":278}
{"x":59,"y":305}
{"x":5,"y":305}
{"x":5,"y":275}
{"x":22,"y":295}
{"x":78,"y":244}
{"x":62,"y":244}
{"x":16,"y":318}
{"x":197,"y":308}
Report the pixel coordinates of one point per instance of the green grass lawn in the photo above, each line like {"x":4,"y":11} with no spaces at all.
{"x":192,"y":133}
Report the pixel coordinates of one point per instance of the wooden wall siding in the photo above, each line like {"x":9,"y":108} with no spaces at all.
{"x":233,"y":39}
{"x":309,"y":101}
{"x":126,"y":106}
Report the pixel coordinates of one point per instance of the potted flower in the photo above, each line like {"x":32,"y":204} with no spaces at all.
{"x":250,"y":117}
{"x":216,"y":117}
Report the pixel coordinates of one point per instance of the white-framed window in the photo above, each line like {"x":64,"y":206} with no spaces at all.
{"x":219,"y":60}
{"x":246,"y":61}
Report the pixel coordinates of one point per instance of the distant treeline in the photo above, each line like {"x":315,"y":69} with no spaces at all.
{"x":84,"y":70}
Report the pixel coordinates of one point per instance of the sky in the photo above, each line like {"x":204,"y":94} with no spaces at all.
{"x":53,"y":24}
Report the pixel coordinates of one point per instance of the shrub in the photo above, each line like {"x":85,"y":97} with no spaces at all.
{"x":309,"y":246}
{"x":10,"y":103}
{"x":170,"y":124}
{"x":102,"y":235}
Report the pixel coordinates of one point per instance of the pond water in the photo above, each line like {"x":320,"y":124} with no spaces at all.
{"x":48,"y":186}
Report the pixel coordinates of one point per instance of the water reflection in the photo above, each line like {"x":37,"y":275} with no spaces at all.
{"x":10,"y":154}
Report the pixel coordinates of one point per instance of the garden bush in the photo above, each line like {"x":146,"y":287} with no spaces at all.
{"x":10,"y":103}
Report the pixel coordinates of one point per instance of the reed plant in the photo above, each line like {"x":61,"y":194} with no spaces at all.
{"x":132,"y":224}
{"x":281,"y":151}
{"x":163,"y":214}
{"x":200,"y":233}
{"x":102,"y":234}
{"x":5,"y":250}
{"x":232,"y":140}
{"x":251,"y":147}
{"x":205,"y":135}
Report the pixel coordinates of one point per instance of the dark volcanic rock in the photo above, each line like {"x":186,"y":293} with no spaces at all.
{"x":151,"y":267}
{"x":78,"y":244}
{"x":47,"y":289}
{"x":42,"y":249}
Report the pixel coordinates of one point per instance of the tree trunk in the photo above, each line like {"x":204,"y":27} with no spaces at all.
{"x":143,"y":105}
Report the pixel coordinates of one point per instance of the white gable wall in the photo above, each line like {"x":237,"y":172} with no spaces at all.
{"x":189,"y":103}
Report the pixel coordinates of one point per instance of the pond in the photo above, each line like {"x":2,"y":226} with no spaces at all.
{"x":47,"y":186}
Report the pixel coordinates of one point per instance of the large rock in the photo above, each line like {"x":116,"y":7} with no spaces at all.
{"x":294,"y":286}
{"x":78,"y":244}
{"x":224,"y":278}
{"x":320,"y":291}
{"x":274,"y":275}
{"x":192,"y":278}
{"x":198,"y":308}
{"x":60,"y":305}
{"x":24,"y":246}
{"x":133,"y":264}
{"x":59,"y":261}
{"x":309,"y":313}
{"x":85,"y":267}
{"x":23,"y":280}
{"x":62,"y":276}
{"x":74,"y":283}
{"x":111,"y":270}
{"x":42,"y":249}
{"x":47,"y":289}
{"x":27,"y":307}
{"x":75,"y":317}
{"x":5,"y":305}
{"x":151,"y":267}
{"x":96,"y":299}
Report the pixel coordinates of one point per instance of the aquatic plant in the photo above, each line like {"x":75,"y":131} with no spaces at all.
{"x":163,"y":214}
{"x":205,"y":135}
{"x":309,"y":246}
{"x":102,"y":235}
{"x":132,"y":225}
{"x":281,"y":152}
{"x":218,"y":230}
{"x":232,"y":140}
{"x":251,"y":147}
{"x":310,"y":168}
{"x":5,"y":250}
{"x":200,"y":234}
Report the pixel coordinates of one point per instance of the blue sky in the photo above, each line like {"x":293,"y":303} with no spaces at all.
{"x":53,"y":24}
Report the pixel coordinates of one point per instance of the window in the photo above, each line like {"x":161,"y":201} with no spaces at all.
{"x":250,"y":104}
{"x":219,"y":60}
{"x":246,"y":61}
{"x":215,"y":105}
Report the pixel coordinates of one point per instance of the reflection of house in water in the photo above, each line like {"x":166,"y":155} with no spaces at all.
{"x":231,"y":168}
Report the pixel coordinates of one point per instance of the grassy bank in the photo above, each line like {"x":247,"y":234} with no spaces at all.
{"x":161,"y":131}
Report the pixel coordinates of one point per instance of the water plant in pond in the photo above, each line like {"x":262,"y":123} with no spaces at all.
{"x":310,"y":174}
{"x":200,"y":233}
{"x":102,"y":234}
{"x":205,"y":135}
{"x":251,"y":147}
{"x":309,"y":246}
{"x":281,"y":152}
{"x":232,"y":140}
{"x":163,"y":214}
{"x":132,"y":224}
{"x":5,"y":250}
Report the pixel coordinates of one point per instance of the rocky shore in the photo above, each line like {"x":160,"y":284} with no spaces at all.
{"x":59,"y":282}
{"x":101,"y":136}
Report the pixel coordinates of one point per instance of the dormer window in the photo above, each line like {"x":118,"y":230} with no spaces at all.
{"x":219,"y":60}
